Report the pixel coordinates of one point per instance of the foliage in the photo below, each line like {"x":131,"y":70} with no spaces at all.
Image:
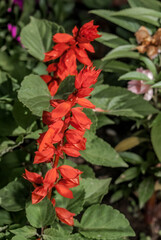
{"x":123,"y":143}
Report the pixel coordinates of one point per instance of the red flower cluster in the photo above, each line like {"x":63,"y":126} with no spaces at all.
{"x":66,"y":122}
{"x":69,"y":49}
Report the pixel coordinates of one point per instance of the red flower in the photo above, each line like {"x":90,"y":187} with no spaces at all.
{"x":47,"y":183}
{"x":53,"y":83}
{"x":79,"y":120}
{"x":88,"y":32}
{"x":85,"y":103}
{"x":61,"y":110}
{"x":69,"y":48}
{"x":87,"y":77}
{"x":63,"y":190}
{"x":50,"y":178}
{"x":33,"y":177}
{"x":74,"y":136}
{"x":38,"y":194}
{"x":65,"y":216}
{"x":45,"y":155}
{"x":68,"y":172}
{"x":70,"y":179}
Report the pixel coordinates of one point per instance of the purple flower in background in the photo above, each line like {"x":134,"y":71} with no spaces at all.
{"x":18,"y":2}
{"x":13,"y":30}
{"x":139,"y":87}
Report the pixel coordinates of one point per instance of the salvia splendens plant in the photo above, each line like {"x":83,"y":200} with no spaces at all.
{"x":66,"y":123}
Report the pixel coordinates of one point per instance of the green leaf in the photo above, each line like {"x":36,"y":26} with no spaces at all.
{"x":111,"y":224}
{"x":26,"y":231}
{"x":40,"y":69}
{"x":115,"y":66}
{"x":34,"y":135}
{"x":132,"y":158}
{"x":87,"y":171}
{"x":111,"y":40}
{"x":136,"y":76}
{"x":95,"y":189}
{"x":152,"y":4}
{"x":22,"y":115}
{"x":34,"y":94}
{"x":150,"y":65}
{"x":157,"y":85}
{"x":5,"y":144}
{"x":74,"y":205}
{"x":101,"y":153}
{"x":13,"y":196}
{"x":96,"y":3}
{"x":40,"y":214}
{"x":103,"y":120}
{"x":121,"y":102}
{"x":143,"y":14}
{"x":63,"y":228}
{"x":37,"y":36}
{"x":116,"y":196}
{"x":91,"y":114}
{"x":128,"y":175}
{"x":19,"y":237}
{"x":5,"y":217}
{"x":51,"y":233}
{"x":127,"y":23}
{"x":124,"y":51}
{"x":145,"y":190}
{"x":156,"y":135}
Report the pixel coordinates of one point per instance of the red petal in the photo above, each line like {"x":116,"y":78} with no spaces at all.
{"x":46,"y":78}
{"x":47,"y":139}
{"x":85,"y":103}
{"x":44,"y":156}
{"x":82,"y":56}
{"x":52,"y":67}
{"x":61,"y":110}
{"x":62,"y":38}
{"x":70,"y":183}
{"x":84,"y":92}
{"x":74,"y":136}
{"x":38,"y":194}
{"x":53,"y":202}
{"x":67,"y":65}
{"x":50,"y":179}
{"x":69,"y":172}
{"x":64,"y":191}
{"x":70,"y":150}
{"x":53,"y":87}
{"x":65,"y":216}
{"x":87,"y":46}
{"x":80,"y":118}
{"x":33,"y":177}
{"x":75,"y":31}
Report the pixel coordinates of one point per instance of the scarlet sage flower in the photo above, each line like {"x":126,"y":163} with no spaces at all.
{"x":42,"y":186}
{"x":59,"y":138}
{"x":65,"y":216}
{"x":71,"y":48}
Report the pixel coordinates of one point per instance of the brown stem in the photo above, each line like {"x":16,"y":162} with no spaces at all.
{"x":49,"y":194}
{"x":56,"y":161}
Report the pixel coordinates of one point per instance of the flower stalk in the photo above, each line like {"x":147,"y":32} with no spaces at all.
{"x":66,"y":123}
